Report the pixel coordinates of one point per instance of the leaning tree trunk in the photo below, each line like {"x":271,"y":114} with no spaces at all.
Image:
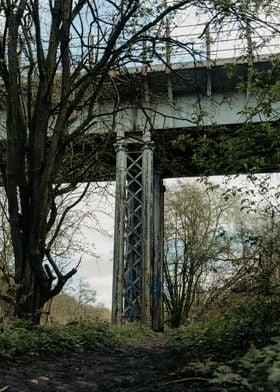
{"x":29,"y":298}
{"x":34,"y":285}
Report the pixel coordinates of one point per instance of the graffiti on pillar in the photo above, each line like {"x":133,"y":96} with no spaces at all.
{"x":156,"y":287}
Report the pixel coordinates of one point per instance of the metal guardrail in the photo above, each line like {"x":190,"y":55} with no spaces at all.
{"x":201,"y":42}
{"x":181,"y":43}
{"x":227,"y":42}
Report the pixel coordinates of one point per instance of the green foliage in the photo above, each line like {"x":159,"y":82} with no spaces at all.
{"x":241,"y":149}
{"x":132,"y":333}
{"x":258,"y":319}
{"x":210,"y":334}
{"x":230,"y":349}
{"x":254,"y":321}
{"x":26,"y":342}
{"x":22,"y":341}
{"x":258,"y":370}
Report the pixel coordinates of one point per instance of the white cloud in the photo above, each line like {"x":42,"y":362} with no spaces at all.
{"x":103,"y":287}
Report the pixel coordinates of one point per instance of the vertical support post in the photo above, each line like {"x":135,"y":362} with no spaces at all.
{"x":138,"y":243}
{"x":147,"y":228}
{"x":208,"y":60}
{"x":157,"y":283}
{"x":168,"y":51}
{"x":250,"y":59}
{"x":119,"y":236}
{"x":134,"y":252}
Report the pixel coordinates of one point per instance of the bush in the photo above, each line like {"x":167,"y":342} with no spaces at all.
{"x":255,"y":321}
{"x":258,"y":370}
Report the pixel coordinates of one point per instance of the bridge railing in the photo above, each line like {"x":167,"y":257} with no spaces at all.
{"x":176,"y":41}
{"x":229,"y":41}
{"x":201,"y":42}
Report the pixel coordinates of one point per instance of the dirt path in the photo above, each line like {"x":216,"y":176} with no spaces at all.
{"x":150,"y":366}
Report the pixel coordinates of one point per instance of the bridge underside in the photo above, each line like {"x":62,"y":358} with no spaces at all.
{"x":185,"y":152}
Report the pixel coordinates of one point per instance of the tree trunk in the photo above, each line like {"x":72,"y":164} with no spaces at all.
{"x":30,"y":296}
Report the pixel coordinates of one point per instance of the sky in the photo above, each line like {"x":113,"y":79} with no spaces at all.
{"x":97,"y":271}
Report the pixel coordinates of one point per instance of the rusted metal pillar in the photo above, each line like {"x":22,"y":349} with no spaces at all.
{"x":119,"y":232}
{"x":133,"y":242}
{"x":147,"y":169}
{"x":158,"y":228}
{"x":137,"y":280}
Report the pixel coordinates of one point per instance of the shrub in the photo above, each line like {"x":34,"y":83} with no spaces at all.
{"x":255,"y":321}
{"x":258,"y":370}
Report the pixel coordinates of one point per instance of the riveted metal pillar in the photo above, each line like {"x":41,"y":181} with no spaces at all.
{"x":133,"y":245}
{"x":119,"y":232}
{"x":158,"y":231}
{"x":135,"y":298}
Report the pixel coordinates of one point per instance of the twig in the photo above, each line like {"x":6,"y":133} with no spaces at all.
{"x":184,"y":379}
{"x":5,"y":388}
{"x":77,"y":266}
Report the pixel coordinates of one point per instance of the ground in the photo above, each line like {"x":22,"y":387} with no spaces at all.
{"x":149,"y":366}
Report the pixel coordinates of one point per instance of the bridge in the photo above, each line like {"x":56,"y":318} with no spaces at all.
{"x":182,"y":118}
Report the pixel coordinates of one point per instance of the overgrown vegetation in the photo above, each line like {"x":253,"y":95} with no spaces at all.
{"x":217,"y":351}
{"x":132,"y":333}
{"x":233,"y":350}
{"x":227,"y":352}
{"x":233,"y":344}
{"x":23,"y":341}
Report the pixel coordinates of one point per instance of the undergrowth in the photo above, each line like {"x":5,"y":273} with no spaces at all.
{"x":254,"y":322}
{"x":132,"y":333}
{"x":258,"y":370}
{"x":21,"y":340}
{"x":237,"y":350}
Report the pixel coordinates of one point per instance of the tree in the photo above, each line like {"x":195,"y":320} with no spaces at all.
{"x":222,"y":249}
{"x":66,"y":244}
{"x":195,"y":240}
